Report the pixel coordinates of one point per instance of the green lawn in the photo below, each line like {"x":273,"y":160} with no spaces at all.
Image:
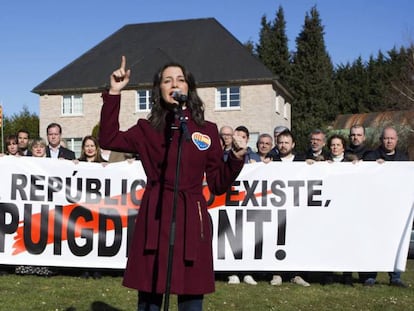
{"x":71,"y":293}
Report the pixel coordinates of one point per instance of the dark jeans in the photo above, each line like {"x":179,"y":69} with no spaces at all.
{"x":363,"y":276}
{"x":153,"y":302}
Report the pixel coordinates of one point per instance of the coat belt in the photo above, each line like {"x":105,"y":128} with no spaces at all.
{"x":192,"y":232}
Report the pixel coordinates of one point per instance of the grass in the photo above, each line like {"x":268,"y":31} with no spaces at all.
{"x":71,"y":293}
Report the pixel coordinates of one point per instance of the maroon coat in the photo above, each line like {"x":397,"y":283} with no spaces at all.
{"x":193,"y":261}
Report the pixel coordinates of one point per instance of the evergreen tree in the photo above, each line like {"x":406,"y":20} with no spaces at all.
{"x":351,"y":87}
{"x":273,"y":48}
{"x":312,"y":81}
{"x":379,"y":81}
{"x":401,"y":92}
{"x":250,"y":47}
{"x":264,"y":47}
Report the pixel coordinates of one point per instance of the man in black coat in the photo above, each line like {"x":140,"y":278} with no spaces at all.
{"x":387,"y":151}
{"x":54,"y":148}
{"x":316,"y":151}
{"x":356,"y":149}
{"x":274,"y":151}
{"x":286,"y":145}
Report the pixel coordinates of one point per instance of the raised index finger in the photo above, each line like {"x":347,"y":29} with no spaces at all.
{"x":123,"y":62}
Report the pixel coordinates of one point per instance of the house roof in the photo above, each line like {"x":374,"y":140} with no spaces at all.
{"x":375,"y":119}
{"x":204,"y":46}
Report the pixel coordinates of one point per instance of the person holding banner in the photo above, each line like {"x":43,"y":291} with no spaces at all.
{"x":264,"y":145}
{"x":54,"y":149}
{"x":276,"y":131}
{"x":357,"y":147}
{"x":12,"y":149}
{"x":91,"y":152}
{"x":23,"y":139}
{"x":178,"y":150}
{"x":250,"y":156}
{"x":12,"y":145}
{"x":316,"y":151}
{"x":387,"y":151}
{"x":226,"y":134}
{"x":38,"y":147}
{"x":37,"y":150}
{"x":285,"y":144}
{"x":336,"y":145}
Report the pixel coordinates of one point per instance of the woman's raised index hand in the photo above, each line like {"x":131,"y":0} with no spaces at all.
{"x":119,"y":78}
{"x":123,"y":62}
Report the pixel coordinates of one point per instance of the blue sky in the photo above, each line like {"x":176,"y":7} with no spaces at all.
{"x":38,"y":38}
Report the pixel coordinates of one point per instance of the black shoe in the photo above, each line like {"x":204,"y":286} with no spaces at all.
{"x":398,"y":283}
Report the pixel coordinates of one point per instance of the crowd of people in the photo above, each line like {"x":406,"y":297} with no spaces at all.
{"x":321,"y":148}
{"x":280,"y":147}
{"x":171,"y":249}
{"x":21,"y":144}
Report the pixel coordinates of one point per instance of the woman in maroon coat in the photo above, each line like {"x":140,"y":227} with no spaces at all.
{"x":156,"y":142}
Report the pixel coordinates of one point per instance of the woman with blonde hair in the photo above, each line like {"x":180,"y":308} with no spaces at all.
{"x":38,"y":147}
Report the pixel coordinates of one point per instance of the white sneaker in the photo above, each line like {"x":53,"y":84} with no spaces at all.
{"x":276,"y":280}
{"x":248,"y":279}
{"x":233,"y":279}
{"x":298,"y":280}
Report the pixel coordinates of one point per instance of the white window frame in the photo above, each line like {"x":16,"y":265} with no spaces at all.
{"x":146,"y":100}
{"x":227,"y":98}
{"x":74,"y":106}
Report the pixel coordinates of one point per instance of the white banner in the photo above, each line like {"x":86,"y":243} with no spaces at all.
{"x":276,"y":217}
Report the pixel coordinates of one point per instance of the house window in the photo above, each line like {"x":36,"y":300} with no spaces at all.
{"x":278,"y":103}
{"x":285,"y":110}
{"x":143,"y":102}
{"x":74,"y":144}
{"x":72,"y":105}
{"x":228,"y":97}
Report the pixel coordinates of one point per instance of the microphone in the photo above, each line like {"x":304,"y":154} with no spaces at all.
{"x":180,"y":97}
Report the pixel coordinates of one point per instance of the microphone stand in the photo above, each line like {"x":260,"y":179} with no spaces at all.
{"x":183,"y":133}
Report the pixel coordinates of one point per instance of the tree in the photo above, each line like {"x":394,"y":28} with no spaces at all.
{"x":378,"y":79}
{"x":314,"y":104}
{"x":351,"y":87}
{"x":23,"y":120}
{"x":249,"y":45}
{"x":402,"y":81}
{"x":273,"y":48}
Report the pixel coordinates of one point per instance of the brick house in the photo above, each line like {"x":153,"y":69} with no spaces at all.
{"x":236,"y":87}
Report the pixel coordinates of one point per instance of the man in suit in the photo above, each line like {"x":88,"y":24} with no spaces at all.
{"x":316,"y":149}
{"x":23,"y":138}
{"x":54,"y":148}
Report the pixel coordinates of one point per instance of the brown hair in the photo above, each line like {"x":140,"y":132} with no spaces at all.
{"x":159,"y":109}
